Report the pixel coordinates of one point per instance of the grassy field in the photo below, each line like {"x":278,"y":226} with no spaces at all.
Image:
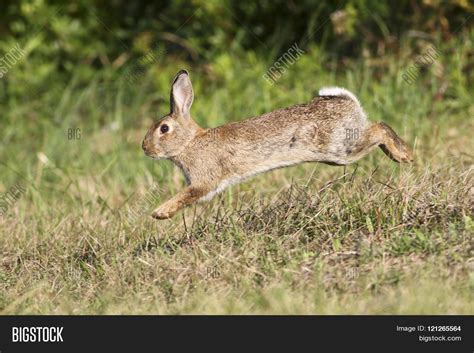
{"x":371,"y":238}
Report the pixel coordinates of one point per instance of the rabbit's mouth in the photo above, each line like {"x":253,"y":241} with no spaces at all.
{"x":149,"y":150}
{"x":153,"y":155}
{"x":157,"y":158}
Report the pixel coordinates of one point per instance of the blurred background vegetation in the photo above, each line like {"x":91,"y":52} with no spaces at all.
{"x":100,"y":41}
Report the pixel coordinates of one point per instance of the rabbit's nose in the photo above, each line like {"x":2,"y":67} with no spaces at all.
{"x":144,"y":146}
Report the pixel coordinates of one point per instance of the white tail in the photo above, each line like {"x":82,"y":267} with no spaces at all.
{"x":338,"y":91}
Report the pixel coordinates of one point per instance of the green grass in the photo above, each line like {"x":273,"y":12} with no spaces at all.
{"x":375,"y":237}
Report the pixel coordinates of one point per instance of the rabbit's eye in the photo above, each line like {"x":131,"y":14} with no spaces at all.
{"x":164,"y":129}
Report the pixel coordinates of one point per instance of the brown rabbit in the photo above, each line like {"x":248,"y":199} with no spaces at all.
{"x":332,"y":129}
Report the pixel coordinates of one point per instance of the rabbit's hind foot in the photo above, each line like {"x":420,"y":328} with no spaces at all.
{"x":382,"y":135}
{"x":393,"y":146}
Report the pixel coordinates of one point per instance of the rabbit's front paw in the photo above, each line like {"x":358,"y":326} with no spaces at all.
{"x":163,"y":212}
{"x":157,"y":214}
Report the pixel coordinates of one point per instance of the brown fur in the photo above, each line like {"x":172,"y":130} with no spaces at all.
{"x":331,"y":129}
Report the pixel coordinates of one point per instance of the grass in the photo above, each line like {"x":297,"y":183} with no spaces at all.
{"x":371,"y":238}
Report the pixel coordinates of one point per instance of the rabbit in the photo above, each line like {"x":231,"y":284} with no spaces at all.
{"x":332,"y":129}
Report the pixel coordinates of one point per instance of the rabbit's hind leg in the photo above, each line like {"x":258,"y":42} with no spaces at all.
{"x":378,"y":134}
{"x":393,"y":146}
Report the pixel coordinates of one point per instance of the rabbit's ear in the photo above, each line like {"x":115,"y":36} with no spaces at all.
{"x":181,"y":94}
